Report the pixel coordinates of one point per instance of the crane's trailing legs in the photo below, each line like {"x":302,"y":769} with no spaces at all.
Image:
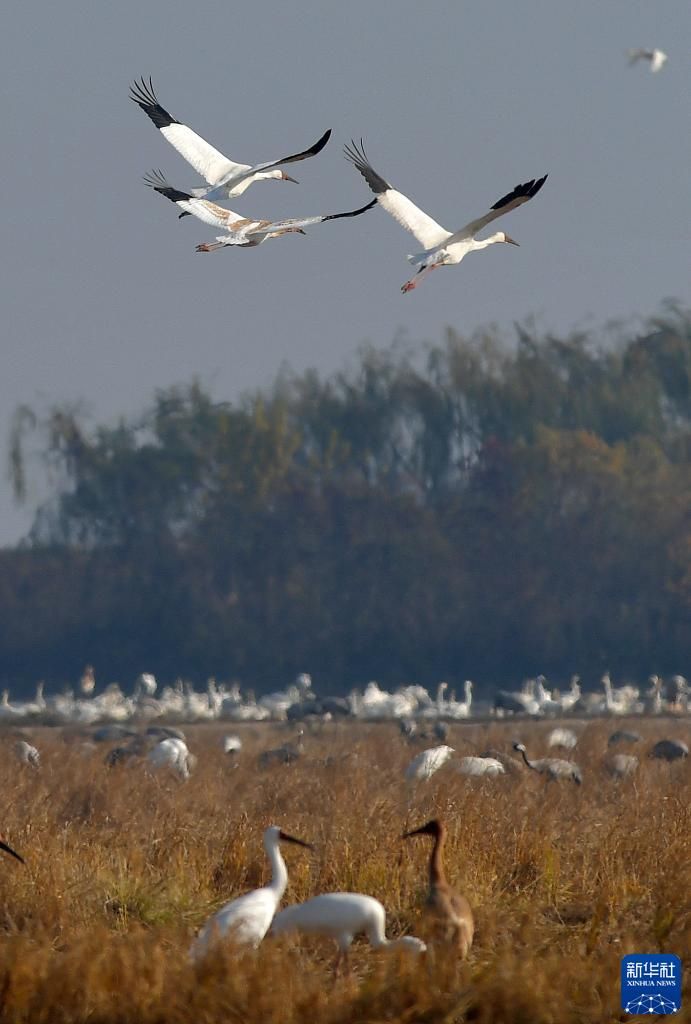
{"x":415,"y":281}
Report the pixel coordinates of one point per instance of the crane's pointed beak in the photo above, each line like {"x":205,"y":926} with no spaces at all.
{"x":13,"y":853}
{"x":285,"y":838}
{"x":511,"y":241}
{"x":287,"y":177}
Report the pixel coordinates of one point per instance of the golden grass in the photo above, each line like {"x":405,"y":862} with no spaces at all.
{"x":124,"y":865}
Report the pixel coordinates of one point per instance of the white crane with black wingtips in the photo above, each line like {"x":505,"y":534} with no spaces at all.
{"x":245,"y":232}
{"x":225,"y":177}
{"x":441,"y":247}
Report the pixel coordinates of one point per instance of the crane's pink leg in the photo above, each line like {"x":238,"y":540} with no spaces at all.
{"x":415,"y":281}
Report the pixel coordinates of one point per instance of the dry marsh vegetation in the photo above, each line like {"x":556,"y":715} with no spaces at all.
{"x":123,"y":865}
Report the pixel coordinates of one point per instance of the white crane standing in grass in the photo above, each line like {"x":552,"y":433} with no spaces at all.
{"x":441,"y":247}
{"x":657,"y":58}
{"x":553,"y":767}
{"x":451,"y":912}
{"x":172,"y":753}
{"x":341,"y":916}
{"x":246,"y":920}
{"x":225,"y":177}
{"x":485,"y":767}
{"x":27,"y":754}
{"x":243,"y":231}
{"x":428,"y":762}
{"x":566,"y":739}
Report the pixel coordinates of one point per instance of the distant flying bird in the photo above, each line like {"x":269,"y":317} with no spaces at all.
{"x":225,"y":177}
{"x":244,"y":231}
{"x":246,"y":920}
{"x":441,"y":247}
{"x":657,"y":58}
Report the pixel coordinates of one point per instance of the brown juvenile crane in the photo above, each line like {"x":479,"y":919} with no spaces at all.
{"x":450,"y":912}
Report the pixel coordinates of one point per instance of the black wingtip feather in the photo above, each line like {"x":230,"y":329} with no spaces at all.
{"x":156,"y":181}
{"x":352,"y":213}
{"x":142,"y":93}
{"x":525,"y":191}
{"x":358,"y":158}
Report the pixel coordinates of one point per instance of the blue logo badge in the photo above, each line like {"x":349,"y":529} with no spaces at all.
{"x":651,"y":983}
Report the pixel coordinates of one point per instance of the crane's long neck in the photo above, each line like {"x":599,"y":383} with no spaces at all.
{"x":527,"y":760}
{"x":436,"y":864}
{"x":279,"y":872}
{"x":484,"y":242}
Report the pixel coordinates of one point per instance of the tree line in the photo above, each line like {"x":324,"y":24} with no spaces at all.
{"x":481,"y":507}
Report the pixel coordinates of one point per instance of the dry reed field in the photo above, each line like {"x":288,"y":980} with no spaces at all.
{"x":124,"y":864}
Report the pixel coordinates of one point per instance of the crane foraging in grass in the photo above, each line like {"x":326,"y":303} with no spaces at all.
{"x":246,"y":920}
{"x":341,"y":916}
{"x":225,"y":178}
{"x":242,"y":231}
{"x":450,"y":912}
{"x":428,"y":762}
{"x":441,"y":247}
{"x":553,"y":767}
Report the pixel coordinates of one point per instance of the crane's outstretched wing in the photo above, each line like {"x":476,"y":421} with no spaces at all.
{"x":250,"y":233}
{"x":304,"y":222}
{"x":234,"y":177}
{"x":207,"y":161}
{"x":411,"y":217}
{"x":210,"y":213}
{"x":519,"y":195}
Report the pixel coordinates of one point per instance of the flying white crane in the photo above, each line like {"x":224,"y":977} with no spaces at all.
{"x":657,"y":58}
{"x":428,"y":762}
{"x":225,"y":177}
{"x":246,"y":920}
{"x":441,"y":247}
{"x":341,"y":916}
{"x":243,"y":230}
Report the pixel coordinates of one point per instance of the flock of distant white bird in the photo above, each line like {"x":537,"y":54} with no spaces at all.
{"x":419,"y":713}
{"x":227,"y":179}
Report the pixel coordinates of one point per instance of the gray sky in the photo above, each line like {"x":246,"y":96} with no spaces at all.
{"x":104,"y":298}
